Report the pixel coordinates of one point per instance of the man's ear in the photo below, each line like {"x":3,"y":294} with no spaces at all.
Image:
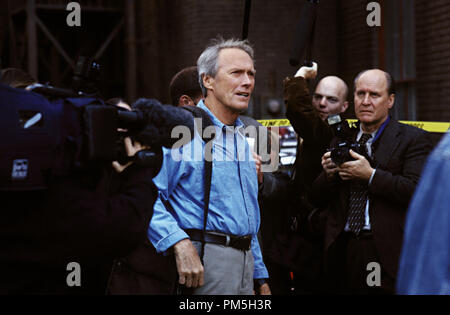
{"x":344,"y":107}
{"x":391,"y":101}
{"x":185,"y":101}
{"x":208,"y":81}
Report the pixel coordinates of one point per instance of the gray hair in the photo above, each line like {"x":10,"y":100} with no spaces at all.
{"x":208,"y":64}
{"x":390,"y":81}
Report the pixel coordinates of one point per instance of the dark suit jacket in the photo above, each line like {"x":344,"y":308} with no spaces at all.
{"x":399,"y":155}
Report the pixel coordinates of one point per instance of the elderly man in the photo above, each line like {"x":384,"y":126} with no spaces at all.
{"x":369,"y":194}
{"x":216,"y":252}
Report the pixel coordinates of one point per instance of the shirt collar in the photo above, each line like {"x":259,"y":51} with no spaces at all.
{"x":361,"y":132}
{"x":238,"y":124}
{"x":376,"y":134}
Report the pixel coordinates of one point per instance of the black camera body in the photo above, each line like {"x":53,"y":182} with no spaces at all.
{"x":340,"y":154}
{"x":45,"y":138}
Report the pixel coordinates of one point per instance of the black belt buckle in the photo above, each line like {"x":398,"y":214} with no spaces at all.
{"x":242,"y":243}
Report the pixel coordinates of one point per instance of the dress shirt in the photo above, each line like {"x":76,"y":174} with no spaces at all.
{"x":233,"y":207}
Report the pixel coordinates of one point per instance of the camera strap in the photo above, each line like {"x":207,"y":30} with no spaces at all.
{"x":207,"y":175}
{"x":380,"y":131}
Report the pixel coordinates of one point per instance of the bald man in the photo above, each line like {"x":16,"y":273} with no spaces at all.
{"x":330,"y":97}
{"x":368,"y":196}
{"x":308,"y":118}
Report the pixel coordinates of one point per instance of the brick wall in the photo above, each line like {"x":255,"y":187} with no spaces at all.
{"x":356,"y":47}
{"x":360,"y":47}
{"x":433,"y":59}
{"x":183,"y":28}
{"x":173,"y":34}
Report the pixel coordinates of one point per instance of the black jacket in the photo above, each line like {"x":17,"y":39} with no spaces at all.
{"x":399,"y":155}
{"x":88,"y":218}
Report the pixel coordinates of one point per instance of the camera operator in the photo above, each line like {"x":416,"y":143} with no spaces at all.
{"x":16,"y":78}
{"x":86,"y":217}
{"x":369,"y":193}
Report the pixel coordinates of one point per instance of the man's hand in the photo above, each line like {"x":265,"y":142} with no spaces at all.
{"x":264,"y":290}
{"x":189,"y":266}
{"x":308,"y":72}
{"x":131,"y":150}
{"x":258,"y":163}
{"x":358,"y":169}
{"x":328,"y":166}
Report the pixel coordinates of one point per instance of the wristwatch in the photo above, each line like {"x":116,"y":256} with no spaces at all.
{"x":259,"y":282}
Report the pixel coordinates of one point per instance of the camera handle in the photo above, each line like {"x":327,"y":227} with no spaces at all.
{"x":145,"y":158}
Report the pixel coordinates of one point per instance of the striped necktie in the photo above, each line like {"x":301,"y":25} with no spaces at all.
{"x":358,"y":198}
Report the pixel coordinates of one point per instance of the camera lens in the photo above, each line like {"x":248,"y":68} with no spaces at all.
{"x":340,"y":155}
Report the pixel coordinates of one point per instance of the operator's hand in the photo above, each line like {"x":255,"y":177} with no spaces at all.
{"x":308,"y":72}
{"x":189,"y":266}
{"x":131,"y":150}
{"x":358,"y":169}
{"x":328,"y":165}
{"x":258,"y":163}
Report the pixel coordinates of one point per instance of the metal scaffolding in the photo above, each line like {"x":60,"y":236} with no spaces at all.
{"x":28,"y":32}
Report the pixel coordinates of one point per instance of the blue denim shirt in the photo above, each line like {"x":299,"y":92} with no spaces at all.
{"x":424,"y":263}
{"x":233,"y":207}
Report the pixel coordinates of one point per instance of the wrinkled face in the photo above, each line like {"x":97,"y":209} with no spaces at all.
{"x":329,"y":98}
{"x":372,"y":101}
{"x":234,"y":82}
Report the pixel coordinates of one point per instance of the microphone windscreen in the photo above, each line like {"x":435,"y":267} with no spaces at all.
{"x":303,"y":32}
{"x":161,"y":120}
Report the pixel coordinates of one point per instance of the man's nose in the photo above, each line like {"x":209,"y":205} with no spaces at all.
{"x":366,"y":99}
{"x":323,"y":101}
{"x":247,"y":79}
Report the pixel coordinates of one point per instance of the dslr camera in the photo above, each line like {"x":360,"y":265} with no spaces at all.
{"x":340,"y":154}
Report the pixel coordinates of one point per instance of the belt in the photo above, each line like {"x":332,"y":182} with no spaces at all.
{"x":237,"y":242}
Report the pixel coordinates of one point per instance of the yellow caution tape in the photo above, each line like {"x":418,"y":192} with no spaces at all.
{"x":275,"y":123}
{"x":429,"y":126}
{"x":438,"y":127}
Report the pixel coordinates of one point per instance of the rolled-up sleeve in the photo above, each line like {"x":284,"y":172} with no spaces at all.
{"x":260,"y":268}
{"x":164,"y":231}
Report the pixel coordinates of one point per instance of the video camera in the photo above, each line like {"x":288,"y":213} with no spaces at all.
{"x":341,"y":152}
{"x":58,"y":132}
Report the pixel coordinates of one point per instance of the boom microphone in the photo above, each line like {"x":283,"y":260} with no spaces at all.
{"x":248,"y":7}
{"x":304,"y":30}
{"x":160,"y":121}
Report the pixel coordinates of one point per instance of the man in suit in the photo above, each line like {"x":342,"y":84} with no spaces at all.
{"x":369,"y":195}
